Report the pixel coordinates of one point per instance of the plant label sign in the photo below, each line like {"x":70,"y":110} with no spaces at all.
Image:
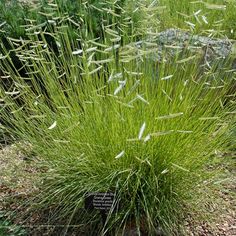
{"x":99,"y":201}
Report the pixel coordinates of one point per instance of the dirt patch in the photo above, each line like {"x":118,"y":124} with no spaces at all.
{"x":221,"y":206}
{"x":19,"y":174}
{"x":222,"y":214}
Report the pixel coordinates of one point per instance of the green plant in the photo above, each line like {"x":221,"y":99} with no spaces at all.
{"x":12,"y":15}
{"x":104,"y":120}
{"x":104,"y":117}
{"x":84,"y":20}
{"x":90,"y":14}
{"x":7,"y":228}
{"x":209,"y":17}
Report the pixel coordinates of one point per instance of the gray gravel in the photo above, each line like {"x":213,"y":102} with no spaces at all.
{"x":183,"y":39}
{"x":171,"y":42}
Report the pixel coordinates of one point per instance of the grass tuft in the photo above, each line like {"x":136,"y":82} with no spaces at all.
{"x":105,"y":117}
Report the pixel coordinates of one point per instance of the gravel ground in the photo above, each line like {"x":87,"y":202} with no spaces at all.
{"x":223,"y":215}
{"x":17,"y":175}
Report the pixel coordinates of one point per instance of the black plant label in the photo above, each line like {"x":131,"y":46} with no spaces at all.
{"x":100,"y":201}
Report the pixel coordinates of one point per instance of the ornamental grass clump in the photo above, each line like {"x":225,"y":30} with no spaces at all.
{"x":105,"y":117}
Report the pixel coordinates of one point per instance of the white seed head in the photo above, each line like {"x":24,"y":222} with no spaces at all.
{"x":148,"y":137}
{"x":141,"y":131}
{"x":120,"y":155}
{"x":77,"y":52}
{"x":53,"y":125}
